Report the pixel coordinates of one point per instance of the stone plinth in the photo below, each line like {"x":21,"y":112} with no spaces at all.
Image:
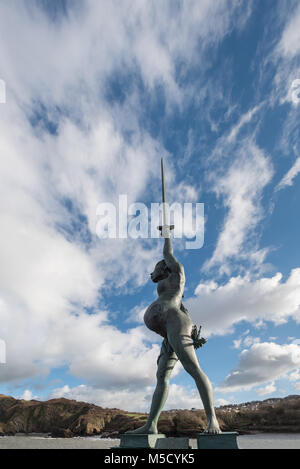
{"x":132,"y":440}
{"x":172,"y":443}
{"x":225,"y":440}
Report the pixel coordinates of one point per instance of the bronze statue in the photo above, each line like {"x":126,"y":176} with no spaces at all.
{"x":169,"y":318}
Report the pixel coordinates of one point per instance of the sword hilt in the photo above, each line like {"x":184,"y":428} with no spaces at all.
{"x":172,"y":227}
{"x":165,"y":230}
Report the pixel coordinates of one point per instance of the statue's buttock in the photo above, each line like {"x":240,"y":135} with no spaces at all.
{"x":155,"y":319}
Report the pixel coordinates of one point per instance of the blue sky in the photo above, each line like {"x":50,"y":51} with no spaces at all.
{"x":96,"y":93}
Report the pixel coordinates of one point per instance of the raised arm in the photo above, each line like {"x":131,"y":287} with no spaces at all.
{"x":171,"y":261}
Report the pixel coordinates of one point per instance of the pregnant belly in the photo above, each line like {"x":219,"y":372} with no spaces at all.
{"x":155,"y":319}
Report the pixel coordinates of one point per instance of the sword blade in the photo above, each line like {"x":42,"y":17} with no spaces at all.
{"x":164,"y":199}
{"x":163,"y":187}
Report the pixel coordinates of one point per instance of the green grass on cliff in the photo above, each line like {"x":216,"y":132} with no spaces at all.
{"x":138,"y":416}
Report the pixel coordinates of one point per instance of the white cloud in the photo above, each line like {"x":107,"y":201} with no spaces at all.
{"x":243,"y":299}
{"x":182,"y":397}
{"x":206,"y":287}
{"x":2,"y":91}
{"x":125,"y":399}
{"x":49,"y":278}
{"x":295,"y":375}
{"x":287,"y":78}
{"x":246,"y":342}
{"x":263,"y":363}
{"x":244,"y":119}
{"x":237,"y":343}
{"x":293,"y":95}
{"x":289,"y":45}
{"x":268,"y":389}
{"x":138,"y":400}
{"x":101,"y":37}
{"x":27,"y":395}
{"x":288,"y":179}
{"x":93,"y":349}
{"x":241,"y":190}
{"x":220,"y":402}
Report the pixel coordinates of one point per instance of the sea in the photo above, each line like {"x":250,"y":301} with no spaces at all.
{"x":42,"y":441}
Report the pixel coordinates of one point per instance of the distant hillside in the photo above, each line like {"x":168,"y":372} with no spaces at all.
{"x":271,"y":415}
{"x":67,"y":418}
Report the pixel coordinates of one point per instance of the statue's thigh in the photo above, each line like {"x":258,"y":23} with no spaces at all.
{"x":179,"y":325}
{"x":166,"y":361}
{"x":179,"y":337}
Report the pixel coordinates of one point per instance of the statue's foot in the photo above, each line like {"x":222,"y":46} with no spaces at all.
{"x":144,"y":430}
{"x":212,"y":426}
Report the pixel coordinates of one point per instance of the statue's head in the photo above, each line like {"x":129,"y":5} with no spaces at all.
{"x":160,"y":272}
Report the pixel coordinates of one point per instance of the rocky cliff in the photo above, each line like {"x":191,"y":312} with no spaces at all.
{"x":68,"y":418}
{"x":60,"y":417}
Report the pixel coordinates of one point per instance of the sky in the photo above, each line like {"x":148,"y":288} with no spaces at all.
{"x":96,"y":92}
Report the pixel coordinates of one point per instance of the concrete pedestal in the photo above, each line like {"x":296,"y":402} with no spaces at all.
{"x":131,"y":440}
{"x":172,"y":443}
{"x":225,"y":440}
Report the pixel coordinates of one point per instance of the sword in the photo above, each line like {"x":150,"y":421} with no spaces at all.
{"x":166,"y":214}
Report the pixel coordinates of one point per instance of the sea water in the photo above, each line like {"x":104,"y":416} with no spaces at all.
{"x":39,"y":441}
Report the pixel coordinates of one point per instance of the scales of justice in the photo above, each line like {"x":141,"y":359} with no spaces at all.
{"x":170,"y":319}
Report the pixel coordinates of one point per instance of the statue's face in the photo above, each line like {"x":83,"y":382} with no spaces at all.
{"x":160,"y":272}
